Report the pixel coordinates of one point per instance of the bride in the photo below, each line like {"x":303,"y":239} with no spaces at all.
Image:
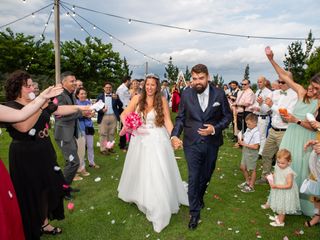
{"x":150,"y":176}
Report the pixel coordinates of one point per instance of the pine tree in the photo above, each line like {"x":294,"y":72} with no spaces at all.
{"x":172,"y":71}
{"x":296,"y":58}
{"x":246,"y":72}
{"x":187,"y":74}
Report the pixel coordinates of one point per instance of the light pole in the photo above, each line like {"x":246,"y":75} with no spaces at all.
{"x":57,"y":39}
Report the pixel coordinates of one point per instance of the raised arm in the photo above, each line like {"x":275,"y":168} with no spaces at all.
{"x":8,"y":114}
{"x":284,"y":75}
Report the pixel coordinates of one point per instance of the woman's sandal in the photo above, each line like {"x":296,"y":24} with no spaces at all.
{"x":308,"y":223}
{"x":54,"y":231}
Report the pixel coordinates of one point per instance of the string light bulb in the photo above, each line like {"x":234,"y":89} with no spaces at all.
{"x":82,"y":29}
{"x":46,"y":25}
{"x":33,"y":15}
{"x":94,"y":27}
{"x":129,"y":21}
{"x":73,"y":14}
{"x":67,"y":14}
{"x":73,"y":7}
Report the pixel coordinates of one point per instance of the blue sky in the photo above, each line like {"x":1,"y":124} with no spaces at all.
{"x":224,"y":55}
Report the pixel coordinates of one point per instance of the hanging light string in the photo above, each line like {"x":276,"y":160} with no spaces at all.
{"x":46,"y":24}
{"x":42,"y":37}
{"x":130,"y":20}
{"x":107,"y":33}
{"x":74,"y":19}
{"x":26,"y":16}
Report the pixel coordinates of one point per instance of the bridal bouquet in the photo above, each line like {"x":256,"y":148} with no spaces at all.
{"x":131,"y":123}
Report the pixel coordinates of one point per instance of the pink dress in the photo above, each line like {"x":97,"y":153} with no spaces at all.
{"x":10,"y":218}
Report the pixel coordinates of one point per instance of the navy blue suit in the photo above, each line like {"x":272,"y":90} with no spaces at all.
{"x":201,"y":151}
{"x":116,"y":106}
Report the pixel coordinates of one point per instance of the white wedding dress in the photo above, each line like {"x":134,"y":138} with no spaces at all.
{"x":150,"y":176}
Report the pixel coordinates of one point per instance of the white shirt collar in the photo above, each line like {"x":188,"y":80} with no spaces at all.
{"x":206,"y":91}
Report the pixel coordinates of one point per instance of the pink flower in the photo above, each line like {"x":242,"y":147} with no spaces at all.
{"x":132,"y":122}
{"x":70,"y":206}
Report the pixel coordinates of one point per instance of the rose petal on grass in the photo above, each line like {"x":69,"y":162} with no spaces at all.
{"x":113,"y":221}
{"x":97,"y":179}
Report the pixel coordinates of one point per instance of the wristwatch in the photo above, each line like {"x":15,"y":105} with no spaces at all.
{"x":299,"y":122}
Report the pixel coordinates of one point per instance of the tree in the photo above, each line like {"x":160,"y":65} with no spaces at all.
{"x":296,"y":58}
{"x":93,"y":62}
{"x":217,"y":80}
{"x":16,"y":51}
{"x":126,"y":68}
{"x":313,"y":64}
{"x":187,"y":74}
{"x":246,"y":72}
{"x":172,"y":71}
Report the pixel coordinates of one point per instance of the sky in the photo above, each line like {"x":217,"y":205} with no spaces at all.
{"x":224,"y":55}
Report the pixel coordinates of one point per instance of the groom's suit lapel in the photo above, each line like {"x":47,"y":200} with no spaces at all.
{"x":196,"y":104}
{"x":212,"y":99}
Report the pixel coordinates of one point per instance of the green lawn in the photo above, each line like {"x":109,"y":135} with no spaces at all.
{"x":229,"y":213}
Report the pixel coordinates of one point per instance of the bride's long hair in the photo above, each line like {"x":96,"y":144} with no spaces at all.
{"x":157,"y":102}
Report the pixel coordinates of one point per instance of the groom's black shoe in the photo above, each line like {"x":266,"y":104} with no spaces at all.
{"x":193,"y":223}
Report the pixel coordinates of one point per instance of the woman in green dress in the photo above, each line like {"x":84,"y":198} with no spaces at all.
{"x":299,"y":130}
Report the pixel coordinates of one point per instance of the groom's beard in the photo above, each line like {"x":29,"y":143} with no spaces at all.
{"x":200,"y":88}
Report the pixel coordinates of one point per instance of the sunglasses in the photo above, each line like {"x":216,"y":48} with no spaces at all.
{"x":244,"y":84}
{"x":282,"y":82}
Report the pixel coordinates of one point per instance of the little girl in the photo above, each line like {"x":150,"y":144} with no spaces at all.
{"x":284,"y":194}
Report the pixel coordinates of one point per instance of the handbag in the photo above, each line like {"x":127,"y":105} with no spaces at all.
{"x":310,"y":187}
{"x":89,"y":131}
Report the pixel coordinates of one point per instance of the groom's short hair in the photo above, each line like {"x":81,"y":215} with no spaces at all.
{"x":200,"y":68}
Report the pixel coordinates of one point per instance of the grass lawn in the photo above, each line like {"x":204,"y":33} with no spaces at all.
{"x":228,"y":214}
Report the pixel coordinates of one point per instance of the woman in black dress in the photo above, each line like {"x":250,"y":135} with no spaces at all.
{"x":34,"y":171}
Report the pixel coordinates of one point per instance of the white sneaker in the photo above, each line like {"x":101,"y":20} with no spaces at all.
{"x":242,"y":185}
{"x":273,"y":218}
{"x":277,"y":224}
{"x":247,"y":189}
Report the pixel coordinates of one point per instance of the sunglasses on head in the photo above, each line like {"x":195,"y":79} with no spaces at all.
{"x":282,"y":82}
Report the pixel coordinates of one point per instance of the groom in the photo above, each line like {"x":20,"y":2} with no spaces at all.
{"x":203,"y":113}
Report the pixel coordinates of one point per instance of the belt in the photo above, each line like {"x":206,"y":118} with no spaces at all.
{"x":262,"y":116}
{"x":279,"y":129}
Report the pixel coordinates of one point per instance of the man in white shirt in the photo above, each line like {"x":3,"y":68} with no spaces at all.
{"x":259,"y":108}
{"x":124,"y":96}
{"x":284,"y":98}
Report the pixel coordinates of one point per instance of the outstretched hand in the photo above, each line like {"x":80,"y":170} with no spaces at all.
{"x":269,"y":53}
{"x":51,"y":91}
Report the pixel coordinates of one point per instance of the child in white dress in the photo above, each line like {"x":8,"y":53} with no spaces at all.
{"x":284,"y":194}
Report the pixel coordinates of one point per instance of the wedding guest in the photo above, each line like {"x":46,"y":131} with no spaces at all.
{"x":243,"y":105}
{"x":10,"y":217}
{"x":124,"y":96}
{"x":299,"y":131}
{"x":284,"y":98}
{"x":250,"y":153}
{"x":134,"y":88}
{"x":284,"y":194}
{"x":108,"y":117}
{"x":66,"y":130}
{"x":34,"y":170}
{"x":87,"y":131}
{"x":259,"y":109}
{"x":175,"y":93}
{"x":314,"y":167}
